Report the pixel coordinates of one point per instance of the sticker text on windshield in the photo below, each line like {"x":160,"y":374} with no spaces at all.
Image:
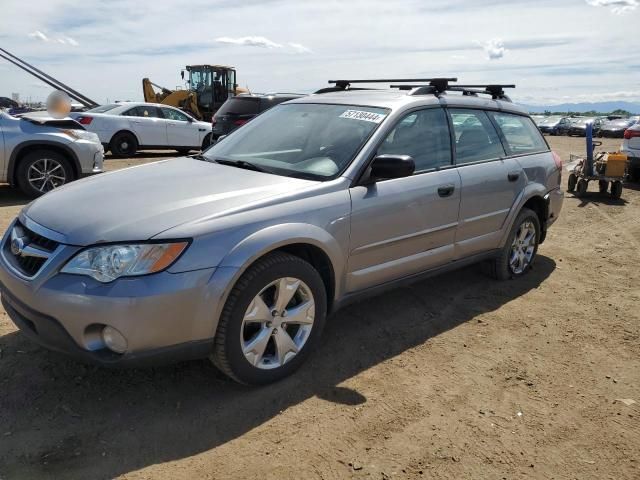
{"x":362,"y":115}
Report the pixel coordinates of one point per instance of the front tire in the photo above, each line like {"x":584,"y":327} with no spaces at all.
{"x":571,"y":183}
{"x":518,"y":254}
{"x":206,"y":141}
{"x":616,"y":189}
{"x":41,"y":171}
{"x":271,"y":321}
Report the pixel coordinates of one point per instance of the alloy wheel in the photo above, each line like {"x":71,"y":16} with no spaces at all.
{"x":277,"y":323}
{"x":46,"y":174}
{"x":522,"y":247}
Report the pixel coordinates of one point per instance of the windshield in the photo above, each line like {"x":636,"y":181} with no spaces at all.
{"x":104,"y":108}
{"x":314,"y":141}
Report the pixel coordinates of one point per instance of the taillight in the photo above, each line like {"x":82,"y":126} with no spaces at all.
{"x":213,"y":121}
{"x":557,"y":159}
{"x":85,"y":120}
{"x":631,"y":133}
{"x":240,"y":122}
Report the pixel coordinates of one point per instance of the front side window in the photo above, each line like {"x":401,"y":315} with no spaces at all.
{"x":476,"y":139}
{"x":520,"y":133}
{"x":171,"y":114}
{"x":424,"y":135}
{"x":304,"y":140}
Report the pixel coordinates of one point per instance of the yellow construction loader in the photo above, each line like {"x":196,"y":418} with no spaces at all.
{"x":207,"y":88}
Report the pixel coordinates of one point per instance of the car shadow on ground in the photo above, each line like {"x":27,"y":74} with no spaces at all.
{"x":12,"y":197}
{"x":62,"y":419}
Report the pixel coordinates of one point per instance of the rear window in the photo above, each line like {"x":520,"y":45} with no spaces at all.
{"x":268,"y":102}
{"x":520,"y":132}
{"x":239,"y":106}
{"x":104,"y":108}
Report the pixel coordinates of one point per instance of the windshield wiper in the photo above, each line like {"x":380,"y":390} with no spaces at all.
{"x":242,"y":164}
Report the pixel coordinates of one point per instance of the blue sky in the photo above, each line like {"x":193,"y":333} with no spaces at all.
{"x":555,"y":51}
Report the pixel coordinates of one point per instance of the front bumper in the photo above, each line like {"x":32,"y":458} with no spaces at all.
{"x":164,"y":316}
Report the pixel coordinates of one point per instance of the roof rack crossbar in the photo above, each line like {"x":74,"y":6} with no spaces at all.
{"x":390,"y":80}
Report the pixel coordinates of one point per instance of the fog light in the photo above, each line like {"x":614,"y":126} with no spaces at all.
{"x":114,"y":340}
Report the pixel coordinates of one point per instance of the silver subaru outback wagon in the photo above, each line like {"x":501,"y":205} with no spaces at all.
{"x":241,"y":252}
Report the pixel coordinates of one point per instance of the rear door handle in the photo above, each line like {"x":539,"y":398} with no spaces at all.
{"x":446,"y":190}
{"x":513,"y":176}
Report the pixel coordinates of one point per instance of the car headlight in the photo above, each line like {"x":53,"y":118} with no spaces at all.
{"x":107,"y":263}
{"x":82,"y":135}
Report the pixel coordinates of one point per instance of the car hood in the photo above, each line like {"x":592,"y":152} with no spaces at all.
{"x":140,"y":202}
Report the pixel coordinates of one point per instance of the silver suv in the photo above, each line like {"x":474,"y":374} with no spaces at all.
{"x":241,"y":252}
{"x":39,"y":153}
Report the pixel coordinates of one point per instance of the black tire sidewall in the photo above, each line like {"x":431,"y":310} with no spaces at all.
{"x":571,"y":182}
{"x":118,"y":138}
{"x":242,"y":370}
{"x":32,"y":157}
{"x":206,"y":141}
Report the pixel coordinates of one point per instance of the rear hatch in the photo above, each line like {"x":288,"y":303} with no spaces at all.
{"x":234,"y":113}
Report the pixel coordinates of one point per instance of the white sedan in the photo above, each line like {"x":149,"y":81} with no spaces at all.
{"x":127,"y":127}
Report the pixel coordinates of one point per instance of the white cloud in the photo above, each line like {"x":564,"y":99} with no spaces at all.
{"x":299,"y":48}
{"x":62,"y":39}
{"x":616,"y":6}
{"x":494,"y":48}
{"x":261,"y":42}
{"x":39,"y":36}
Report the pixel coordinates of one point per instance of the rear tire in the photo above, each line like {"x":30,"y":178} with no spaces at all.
{"x":519,"y":252}
{"x":123,"y":144}
{"x":571,"y":183}
{"x":603,"y":186}
{"x":616,"y":189}
{"x":583,"y":185}
{"x":41,"y":171}
{"x":253,"y":340}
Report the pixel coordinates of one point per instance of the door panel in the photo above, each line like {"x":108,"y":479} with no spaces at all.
{"x":180,"y":132}
{"x":489,"y":191}
{"x":146,"y":124}
{"x":401,"y":227}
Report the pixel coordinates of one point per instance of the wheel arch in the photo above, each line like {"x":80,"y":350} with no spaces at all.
{"x":25,"y":148}
{"x":532,"y":198}
{"x":311,"y":243}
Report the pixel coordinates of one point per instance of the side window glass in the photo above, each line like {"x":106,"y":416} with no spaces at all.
{"x":424,"y":135}
{"x":171,"y":114}
{"x":475,"y":137}
{"x":132,"y":112}
{"x":521,"y":134}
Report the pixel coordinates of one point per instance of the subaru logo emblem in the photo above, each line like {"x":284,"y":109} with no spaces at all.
{"x":17,"y":246}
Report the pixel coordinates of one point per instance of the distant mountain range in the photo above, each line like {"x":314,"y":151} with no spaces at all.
{"x":603,"y":107}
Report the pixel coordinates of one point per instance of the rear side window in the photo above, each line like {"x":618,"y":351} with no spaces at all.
{"x":142,"y":111}
{"x":476,"y":139}
{"x":239,"y":106}
{"x":520,"y":133}
{"x":424,"y":135}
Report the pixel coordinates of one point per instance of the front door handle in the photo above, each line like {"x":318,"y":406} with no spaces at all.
{"x":446,"y":190}
{"x":513,"y":176}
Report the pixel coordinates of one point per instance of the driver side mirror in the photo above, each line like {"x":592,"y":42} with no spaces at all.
{"x":388,"y":166}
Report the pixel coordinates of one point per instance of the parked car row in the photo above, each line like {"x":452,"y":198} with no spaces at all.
{"x":577,"y":126}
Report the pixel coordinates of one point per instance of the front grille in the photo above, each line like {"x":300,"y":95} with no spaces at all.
{"x":33,"y":252}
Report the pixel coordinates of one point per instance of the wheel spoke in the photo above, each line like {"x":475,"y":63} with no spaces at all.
{"x":33,"y":167}
{"x":285,"y":290}
{"x":55,"y":168}
{"x":254,"y":349}
{"x":258,"y":311}
{"x":284,"y":345}
{"x":302,"y":314}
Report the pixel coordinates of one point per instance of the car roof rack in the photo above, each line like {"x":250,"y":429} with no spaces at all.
{"x":434,"y":86}
{"x":340,"y":85}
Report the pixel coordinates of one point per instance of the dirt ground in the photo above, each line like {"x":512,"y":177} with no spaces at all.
{"x":456,"y":377}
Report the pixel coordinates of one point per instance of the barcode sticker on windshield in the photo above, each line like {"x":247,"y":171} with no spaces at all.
{"x":362,"y":115}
